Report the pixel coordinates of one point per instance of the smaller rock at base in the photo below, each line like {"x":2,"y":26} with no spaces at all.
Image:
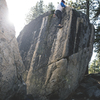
{"x":97,"y":93}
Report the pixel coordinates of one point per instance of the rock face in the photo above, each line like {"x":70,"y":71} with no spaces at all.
{"x":89,"y":88}
{"x":11,"y":65}
{"x":56,"y":59}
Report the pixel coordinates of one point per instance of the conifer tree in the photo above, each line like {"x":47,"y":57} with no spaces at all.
{"x":38,"y":9}
{"x":51,"y":6}
{"x":35,"y":11}
{"x":95,"y":66}
{"x":97,"y":31}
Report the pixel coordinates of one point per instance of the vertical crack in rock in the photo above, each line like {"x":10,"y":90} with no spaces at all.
{"x":44,"y":21}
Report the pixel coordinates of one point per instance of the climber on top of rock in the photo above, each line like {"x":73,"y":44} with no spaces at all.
{"x":58,"y":12}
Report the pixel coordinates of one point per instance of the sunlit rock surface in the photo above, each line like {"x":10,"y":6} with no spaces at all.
{"x":11,"y":65}
{"x":56,"y":59}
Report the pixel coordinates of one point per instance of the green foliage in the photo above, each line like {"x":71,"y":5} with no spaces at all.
{"x":97,"y":30}
{"x":49,"y":7}
{"x":84,"y":6}
{"x":38,"y":10}
{"x":35,"y":11}
{"x":78,"y":5}
{"x":94,"y":66}
{"x":97,"y":10}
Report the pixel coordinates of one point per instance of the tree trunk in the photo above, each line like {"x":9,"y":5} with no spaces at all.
{"x":87,"y":12}
{"x":86,"y":73}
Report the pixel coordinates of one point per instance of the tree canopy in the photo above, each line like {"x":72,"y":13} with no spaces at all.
{"x":97,"y":30}
{"x":38,"y":9}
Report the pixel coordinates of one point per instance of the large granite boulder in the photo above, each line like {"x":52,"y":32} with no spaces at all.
{"x":11,"y":65}
{"x":56,"y":59}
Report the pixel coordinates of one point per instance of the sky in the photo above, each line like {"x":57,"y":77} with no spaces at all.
{"x":18,"y":10}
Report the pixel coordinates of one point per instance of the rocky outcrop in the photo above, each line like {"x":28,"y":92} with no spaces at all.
{"x":56,"y":59}
{"x":89,"y":88}
{"x":11,"y":65}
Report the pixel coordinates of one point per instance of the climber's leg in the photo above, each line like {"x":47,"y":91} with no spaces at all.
{"x":59,"y":15}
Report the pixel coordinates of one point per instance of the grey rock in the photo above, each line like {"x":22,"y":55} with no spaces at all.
{"x":90,"y":91}
{"x":11,"y":65}
{"x":93,"y":92}
{"x":84,"y":85}
{"x":97,"y":93}
{"x":56,"y":59}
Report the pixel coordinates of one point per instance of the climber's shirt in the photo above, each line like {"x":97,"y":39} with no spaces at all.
{"x":61,"y":6}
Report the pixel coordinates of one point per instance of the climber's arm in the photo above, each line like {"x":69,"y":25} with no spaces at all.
{"x":63,"y":5}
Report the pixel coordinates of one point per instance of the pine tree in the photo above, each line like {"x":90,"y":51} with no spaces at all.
{"x":97,"y":31}
{"x":51,"y":6}
{"x":35,"y":11}
{"x":94,"y":66}
{"x":38,"y":9}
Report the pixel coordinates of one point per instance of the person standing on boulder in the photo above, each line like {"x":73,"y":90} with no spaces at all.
{"x":58,"y":12}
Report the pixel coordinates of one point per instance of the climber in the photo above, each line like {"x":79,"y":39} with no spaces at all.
{"x":58,"y":12}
